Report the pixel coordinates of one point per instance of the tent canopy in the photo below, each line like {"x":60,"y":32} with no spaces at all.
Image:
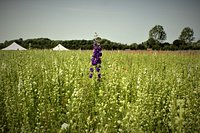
{"x":14,"y":46}
{"x":60,"y":47}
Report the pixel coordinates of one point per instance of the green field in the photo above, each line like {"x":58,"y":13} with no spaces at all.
{"x":139,"y":92}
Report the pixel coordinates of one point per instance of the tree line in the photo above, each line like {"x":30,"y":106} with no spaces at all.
{"x":46,"y":43}
{"x":157,"y":36}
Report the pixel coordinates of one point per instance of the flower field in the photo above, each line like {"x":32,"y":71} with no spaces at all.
{"x":44,"y":91}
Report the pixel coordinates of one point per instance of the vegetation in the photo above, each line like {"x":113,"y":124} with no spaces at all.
{"x":157,"y":36}
{"x":47,"y":91}
{"x":45,"y":43}
{"x":158,"y":33}
{"x":187,"y":35}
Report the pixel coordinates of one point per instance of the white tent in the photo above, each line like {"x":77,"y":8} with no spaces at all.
{"x":59,"y":47}
{"x":14,"y":46}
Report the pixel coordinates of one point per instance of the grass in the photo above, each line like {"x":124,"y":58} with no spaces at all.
{"x":139,"y":92}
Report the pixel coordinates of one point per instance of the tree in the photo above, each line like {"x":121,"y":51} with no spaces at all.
{"x":142,"y":46}
{"x":151,"y":42}
{"x":187,"y":35}
{"x":196,"y":45}
{"x":158,"y":33}
{"x":165,"y":46}
{"x":133,"y":46}
{"x":180,"y":44}
{"x":19,"y":41}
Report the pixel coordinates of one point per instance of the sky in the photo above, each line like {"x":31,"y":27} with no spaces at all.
{"x":123,"y":21}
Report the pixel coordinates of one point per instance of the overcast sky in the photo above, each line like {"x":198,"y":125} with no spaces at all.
{"x":124,"y":21}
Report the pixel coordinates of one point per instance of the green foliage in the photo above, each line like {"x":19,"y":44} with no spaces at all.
{"x":152,"y":43}
{"x":179,"y":43}
{"x":187,"y":35}
{"x":133,"y":46}
{"x":47,"y":91}
{"x":196,"y":45}
{"x":142,"y":46}
{"x":158,"y":33}
{"x":45,"y":43}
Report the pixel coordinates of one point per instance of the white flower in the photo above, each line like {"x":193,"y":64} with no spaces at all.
{"x":64,"y":126}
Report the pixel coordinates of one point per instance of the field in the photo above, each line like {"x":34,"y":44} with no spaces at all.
{"x":49,"y":92}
